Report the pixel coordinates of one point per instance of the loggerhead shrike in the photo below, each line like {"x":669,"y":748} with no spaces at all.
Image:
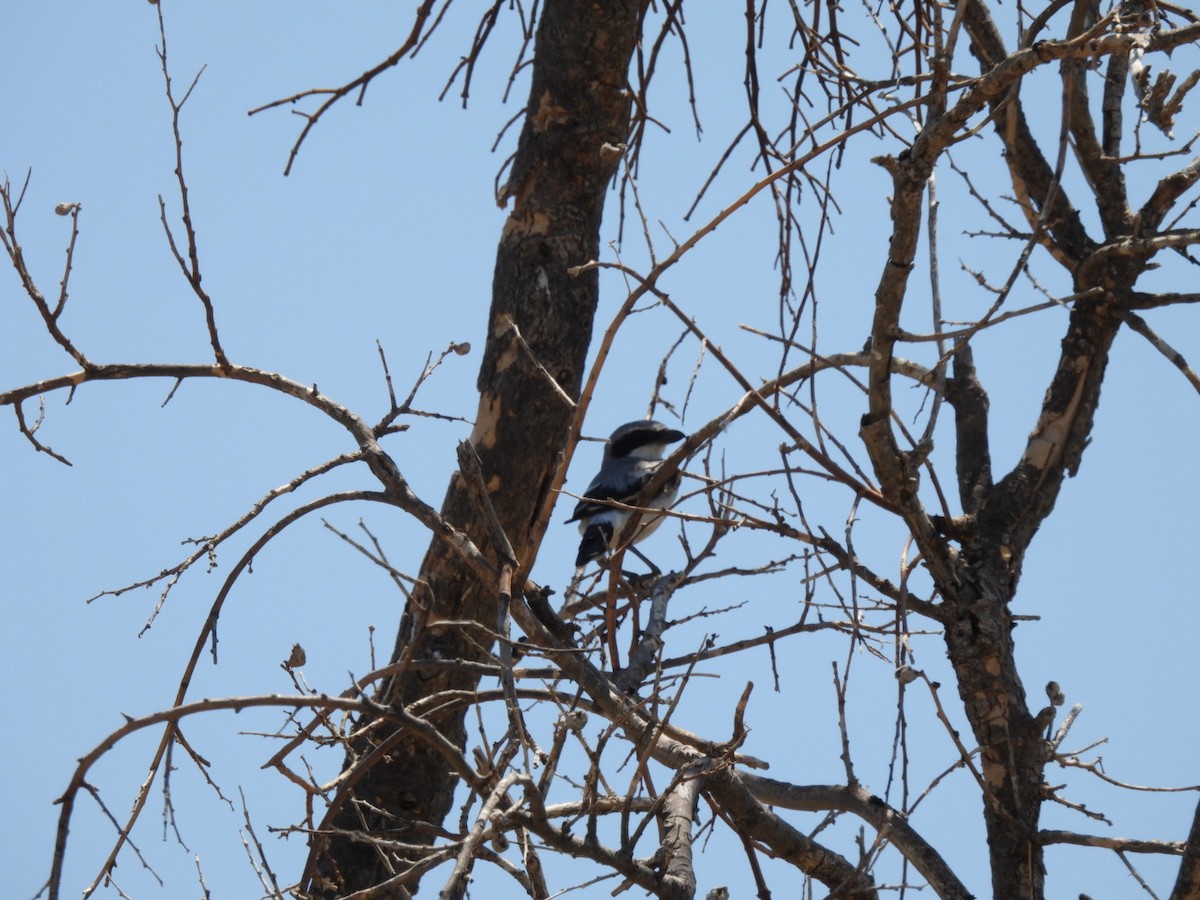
{"x":631,"y":457}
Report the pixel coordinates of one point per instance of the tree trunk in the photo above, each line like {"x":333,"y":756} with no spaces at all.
{"x":978,"y":634}
{"x":578,"y":113}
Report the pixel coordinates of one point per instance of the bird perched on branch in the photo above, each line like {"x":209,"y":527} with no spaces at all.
{"x":631,"y":457}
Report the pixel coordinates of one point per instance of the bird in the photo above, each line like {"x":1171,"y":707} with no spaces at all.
{"x":631,"y":457}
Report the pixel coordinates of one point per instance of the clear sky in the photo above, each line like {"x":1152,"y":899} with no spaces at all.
{"x":386,"y":230}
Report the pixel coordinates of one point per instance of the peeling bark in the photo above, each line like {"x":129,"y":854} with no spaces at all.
{"x":578,"y":104}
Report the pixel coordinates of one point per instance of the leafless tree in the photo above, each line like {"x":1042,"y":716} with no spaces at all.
{"x":565,"y":742}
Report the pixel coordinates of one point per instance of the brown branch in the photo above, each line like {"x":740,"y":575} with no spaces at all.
{"x":679,"y":874}
{"x":754,"y":818}
{"x":333,"y":95}
{"x":872,"y":810}
{"x":172,"y":717}
{"x":1100,"y":169}
{"x":456,"y":885}
{"x":1124,"y":845}
{"x":1173,"y":356}
{"x":380,"y":463}
{"x":207,"y":631}
{"x":8,"y":237}
{"x":1166,"y":193}
{"x":761,"y":824}
{"x":191,"y":266}
{"x":208,"y":545}
{"x":30,"y":432}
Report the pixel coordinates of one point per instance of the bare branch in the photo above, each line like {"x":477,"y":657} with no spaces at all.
{"x":359,"y":84}
{"x":191,"y":266}
{"x":1124,"y":845}
{"x":8,"y":237}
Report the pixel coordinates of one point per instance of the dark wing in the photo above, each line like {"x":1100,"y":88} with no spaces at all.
{"x":599,"y":491}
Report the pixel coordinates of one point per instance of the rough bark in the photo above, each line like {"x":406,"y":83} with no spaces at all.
{"x":1187,"y":884}
{"x":578,"y":112}
{"x":979,"y":632}
{"x":979,"y":579}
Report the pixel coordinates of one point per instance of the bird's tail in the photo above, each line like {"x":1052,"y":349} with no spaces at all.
{"x":596,"y":538}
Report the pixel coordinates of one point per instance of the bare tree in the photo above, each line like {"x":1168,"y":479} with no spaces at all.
{"x":565,"y":741}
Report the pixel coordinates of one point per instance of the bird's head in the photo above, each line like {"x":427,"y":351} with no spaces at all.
{"x":643,"y":439}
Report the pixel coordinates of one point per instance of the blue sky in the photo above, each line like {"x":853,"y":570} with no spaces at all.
{"x":386,"y":230}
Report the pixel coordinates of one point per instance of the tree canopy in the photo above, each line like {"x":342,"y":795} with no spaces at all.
{"x":891,"y":297}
